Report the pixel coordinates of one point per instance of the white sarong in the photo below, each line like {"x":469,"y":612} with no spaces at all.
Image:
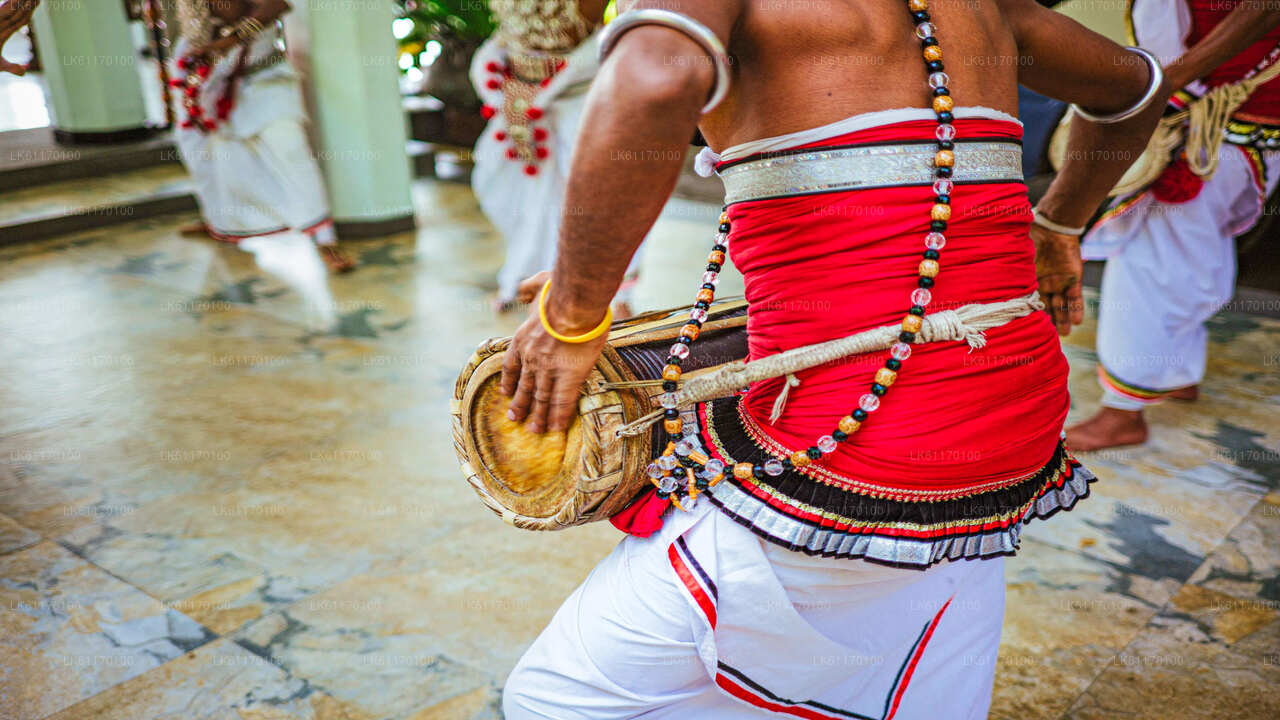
{"x":256,"y":174}
{"x":705,"y":620}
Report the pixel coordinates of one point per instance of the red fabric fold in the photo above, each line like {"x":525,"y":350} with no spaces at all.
{"x":643,"y":517}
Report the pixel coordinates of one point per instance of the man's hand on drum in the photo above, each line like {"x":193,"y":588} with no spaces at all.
{"x":1059,"y":273}
{"x":543,"y":375}
{"x":14,"y":15}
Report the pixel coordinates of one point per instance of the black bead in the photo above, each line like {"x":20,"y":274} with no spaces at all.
{"x":934,"y":65}
{"x":724,"y":227}
{"x":945,"y":116}
{"x":685,"y":461}
{"x":702,"y":304}
{"x":713,"y":267}
{"x":813,"y":453}
{"x":925,"y":282}
{"x":920,"y":16}
{"x":906,"y":337}
{"x":859,"y":414}
{"x":757,"y":471}
{"x":663,"y":495}
{"x":671,"y":413}
{"x":701,"y":483}
{"x":917,"y":310}
{"x":944,"y":199}
{"x":878,"y":390}
{"x":720,"y":248}
{"x":696,"y":323}
{"x":708,"y":286}
{"x":944,"y":172}
{"x":670,"y":386}
{"x":839,"y":435}
{"x":931,"y":254}
{"x":673,"y":360}
{"x":937,"y":92}
{"x":786,"y":463}
{"x":929,"y":41}
{"x":946,"y":145}
{"x":893,"y":364}
{"x":684,"y":340}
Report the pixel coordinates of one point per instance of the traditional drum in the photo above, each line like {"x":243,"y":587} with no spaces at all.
{"x":551,"y":481}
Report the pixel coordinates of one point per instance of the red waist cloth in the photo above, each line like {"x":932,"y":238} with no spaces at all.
{"x":825,"y":266}
{"x":1264,"y":104}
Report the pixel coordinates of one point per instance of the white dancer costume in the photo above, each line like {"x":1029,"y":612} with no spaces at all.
{"x":706,"y":620}
{"x":1171,"y":266}
{"x":256,"y":174}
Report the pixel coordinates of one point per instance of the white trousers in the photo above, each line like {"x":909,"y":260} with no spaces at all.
{"x":1169,"y":268}
{"x":704,"y":620}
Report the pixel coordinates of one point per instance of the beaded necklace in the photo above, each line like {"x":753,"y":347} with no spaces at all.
{"x":674,"y":472}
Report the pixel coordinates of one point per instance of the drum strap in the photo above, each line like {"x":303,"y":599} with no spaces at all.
{"x":966,"y":323}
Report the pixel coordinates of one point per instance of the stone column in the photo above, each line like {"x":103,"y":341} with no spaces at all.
{"x":346,"y":54}
{"x":91,"y":69}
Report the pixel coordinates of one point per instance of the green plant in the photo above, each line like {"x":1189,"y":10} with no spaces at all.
{"x":446,"y":19}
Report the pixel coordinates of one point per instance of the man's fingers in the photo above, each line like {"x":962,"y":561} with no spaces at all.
{"x":529,"y":288}
{"x":510,"y":372}
{"x":564,"y":401}
{"x":537,"y":418}
{"x":1075,"y":302}
{"x":523,"y":397}
{"x":1058,"y":309}
{"x":12,"y":68}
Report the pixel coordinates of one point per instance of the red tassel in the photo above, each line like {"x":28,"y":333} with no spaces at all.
{"x":494,"y":84}
{"x":511,"y":154}
{"x":533,"y":113}
{"x":203,"y":71}
{"x":493,"y":67}
{"x":530,"y":170}
{"x":643,"y":517}
{"x":1177,"y":184}
{"x":541,"y":152}
{"x":539,"y":134}
{"x":487,"y":112}
{"x":500,"y":136}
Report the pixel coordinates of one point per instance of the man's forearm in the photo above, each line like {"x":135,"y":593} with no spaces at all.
{"x":1244,"y":26}
{"x":639,"y":117}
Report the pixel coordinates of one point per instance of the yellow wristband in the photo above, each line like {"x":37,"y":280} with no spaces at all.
{"x":599,"y":330}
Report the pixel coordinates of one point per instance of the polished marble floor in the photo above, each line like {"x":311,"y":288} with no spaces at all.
{"x":228,"y":490}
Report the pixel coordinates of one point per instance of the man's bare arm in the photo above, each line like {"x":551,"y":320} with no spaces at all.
{"x":1242,"y":27}
{"x":642,"y":109}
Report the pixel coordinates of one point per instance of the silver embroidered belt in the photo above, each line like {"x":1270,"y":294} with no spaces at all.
{"x":861,"y":167}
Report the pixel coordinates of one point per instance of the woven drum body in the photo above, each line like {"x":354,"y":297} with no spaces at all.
{"x":551,"y":481}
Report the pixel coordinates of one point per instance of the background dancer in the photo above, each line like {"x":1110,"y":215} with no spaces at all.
{"x":244,"y":139}
{"x":754,"y":602}
{"x":533,"y":75}
{"x":1170,"y":248}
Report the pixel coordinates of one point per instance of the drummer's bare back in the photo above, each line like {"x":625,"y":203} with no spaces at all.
{"x":804,"y":63}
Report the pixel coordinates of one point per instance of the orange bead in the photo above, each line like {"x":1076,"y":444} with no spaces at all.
{"x":800,"y":459}
{"x":672,"y":426}
{"x":698,"y":457}
{"x":943,"y":103}
{"x":911,"y":323}
{"x":929,"y":268}
{"x":724,"y":217}
{"x":705,"y":295}
{"x":944,"y":158}
{"x":932,"y":53}
{"x":671,"y":372}
{"x":918,"y":5}
{"x":716,"y":256}
{"x":743,"y":471}
{"x":712,"y":482}
{"x":690,"y":331}
{"x":848,"y":425}
{"x":940,"y":211}
{"x":885,"y":376}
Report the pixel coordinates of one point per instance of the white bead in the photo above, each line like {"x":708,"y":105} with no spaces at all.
{"x":698,"y":314}
{"x":689,"y":503}
{"x":669,"y":400}
{"x":869,"y":402}
{"x":667,"y":462}
{"x":668,"y":484}
{"x":939,"y":79}
{"x":773,"y":467}
{"x":722,"y":239}
{"x":680,"y":350}
{"x":945,"y":131}
{"x":711,"y":276}
{"x":935,"y":240}
{"x":943,"y":186}
{"x":715,"y":467}
{"x":900,"y":351}
{"x":925,"y":29}
{"x":921,"y":297}
{"x":653,"y":471}
{"x":684,"y":447}
{"x":827,"y":444}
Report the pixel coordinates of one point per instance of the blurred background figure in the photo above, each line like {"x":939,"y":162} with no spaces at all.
{"x":14,"y":15}
{"x":243,"y":137}
{"x":533,"y":75}
{"x":1169,"y":241}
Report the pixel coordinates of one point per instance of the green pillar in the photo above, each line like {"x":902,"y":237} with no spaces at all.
{"x":91,"y":68}
{"x":347,"y":57}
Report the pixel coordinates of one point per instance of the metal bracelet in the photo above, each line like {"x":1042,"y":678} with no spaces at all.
{"x":693,"y":29}
{"x":1153,"y":87}
{"x":247,"y":27}
{"x":1047,"y":224}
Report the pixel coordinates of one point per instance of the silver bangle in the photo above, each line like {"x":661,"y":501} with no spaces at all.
{"x":695,"y":31}
{"x":1153,"y":87}
{"x":1047,"y":224}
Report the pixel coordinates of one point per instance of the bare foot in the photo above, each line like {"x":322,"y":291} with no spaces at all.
{"x":1190,"y":393}
{"x":336,"y":260}
{"x":1107,"y":429}
{"x":195,"y":229}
